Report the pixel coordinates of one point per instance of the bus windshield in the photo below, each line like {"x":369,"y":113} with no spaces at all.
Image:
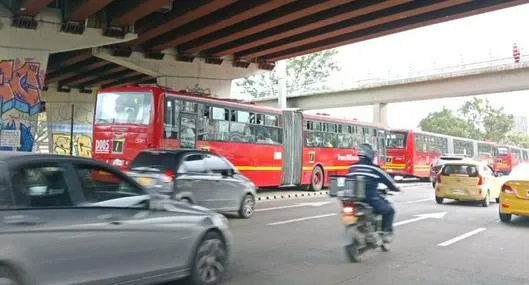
{"x":396,"y":140}
{"x":501,"y":150}
{"x":123,"y":108}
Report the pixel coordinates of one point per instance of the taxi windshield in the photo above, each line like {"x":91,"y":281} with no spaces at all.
{"x":123,"y":108}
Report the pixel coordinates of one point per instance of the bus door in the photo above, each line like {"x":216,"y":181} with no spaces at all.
{"x":188,"y":130}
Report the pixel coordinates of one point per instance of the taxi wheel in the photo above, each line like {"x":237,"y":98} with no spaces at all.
{"x":486,"y":201}
{"x":506,"y":218}
{"x":439,"y":200}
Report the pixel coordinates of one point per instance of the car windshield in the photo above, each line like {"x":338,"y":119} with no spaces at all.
{"x":123,"y":108}
{"x":396,"y":140}
{"x":154,"y":161}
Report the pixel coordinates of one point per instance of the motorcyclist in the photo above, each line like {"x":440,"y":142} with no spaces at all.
{"x":374,"y":175}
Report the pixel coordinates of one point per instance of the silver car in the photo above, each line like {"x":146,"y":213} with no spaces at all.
{"x":69,"y":220}
{"x":197,"y":177}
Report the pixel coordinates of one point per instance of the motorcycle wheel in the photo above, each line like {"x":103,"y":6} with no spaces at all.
{"x":353,"y":252}
{"x":384,"y":247}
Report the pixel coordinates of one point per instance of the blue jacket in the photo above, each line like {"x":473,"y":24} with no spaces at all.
{"x":373,"y":175}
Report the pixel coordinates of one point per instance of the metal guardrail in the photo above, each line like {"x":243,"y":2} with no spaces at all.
{"x":390,"y":78}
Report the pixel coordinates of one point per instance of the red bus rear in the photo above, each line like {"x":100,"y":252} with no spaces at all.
{"x":270,"y":146}
{"x":505,"y":158}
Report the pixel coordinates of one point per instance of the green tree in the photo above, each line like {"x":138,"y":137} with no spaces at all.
{"x":475,"y":119}
{"x":301,"y":71}
{"x":490,"y":123}
{"x":447,"y":123}
{"x":518,"y":139}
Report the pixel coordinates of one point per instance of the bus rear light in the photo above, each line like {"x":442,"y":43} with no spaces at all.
{"x":168,"y":176}
{"x":507,"y":189}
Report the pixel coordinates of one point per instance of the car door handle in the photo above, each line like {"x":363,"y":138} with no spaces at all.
{"x":112,"y":219}
{"x":23,"y":220}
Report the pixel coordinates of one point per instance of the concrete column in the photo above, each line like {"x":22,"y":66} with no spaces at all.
{"x":380,"y":113}
{"x":59,"y":114}
{"x":22,"y":73}
{"x":281,"y":68}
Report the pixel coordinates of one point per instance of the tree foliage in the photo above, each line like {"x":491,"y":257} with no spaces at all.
{"x":475,"y":119}
{"x":301,"y":71}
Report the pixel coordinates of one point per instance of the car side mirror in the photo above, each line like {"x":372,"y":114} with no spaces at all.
{"x":227,"y":172}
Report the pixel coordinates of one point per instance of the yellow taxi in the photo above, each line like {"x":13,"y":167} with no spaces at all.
{"x":467,"y":180}
{"x":514,"y":196}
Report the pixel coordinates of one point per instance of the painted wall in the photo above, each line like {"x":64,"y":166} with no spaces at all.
{"x":59,"y":113}
{"x":21,"y":81}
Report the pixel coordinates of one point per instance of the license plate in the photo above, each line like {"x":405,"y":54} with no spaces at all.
{"x":458,"y":192}
{"x":348,"y":220}
{"x":145,"y":181}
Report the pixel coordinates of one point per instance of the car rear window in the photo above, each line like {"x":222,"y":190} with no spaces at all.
{"x":460,"y":169}
{"x":154,"y":160}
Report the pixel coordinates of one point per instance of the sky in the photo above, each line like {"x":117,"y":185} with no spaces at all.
{"x":468,"y":40}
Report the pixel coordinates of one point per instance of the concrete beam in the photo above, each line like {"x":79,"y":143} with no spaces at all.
{"x":380,"y":113}
{"x":504,"y":78}
{"x":170,"y":67}
{"x":47,"y":38}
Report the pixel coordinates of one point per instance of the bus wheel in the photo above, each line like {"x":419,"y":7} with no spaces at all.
{"x":316,"y":180}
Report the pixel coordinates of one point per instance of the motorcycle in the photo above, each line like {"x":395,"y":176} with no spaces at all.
{"x":363,"y":228}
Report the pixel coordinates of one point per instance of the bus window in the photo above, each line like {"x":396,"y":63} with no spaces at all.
{"x":271,"y":120}
{"x":124,"y":108}
{"x":171,"y":119}
{"x":396,"y":140}
{"x":500,"y":151}
{"x":266,"y":135}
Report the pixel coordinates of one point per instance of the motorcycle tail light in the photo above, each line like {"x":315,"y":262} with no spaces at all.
{"x":348,"y":210}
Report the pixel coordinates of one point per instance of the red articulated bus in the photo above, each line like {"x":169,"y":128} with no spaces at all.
{"x":412,"y":153}
{"x":270,"y":146}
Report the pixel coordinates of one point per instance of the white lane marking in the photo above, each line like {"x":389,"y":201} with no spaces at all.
{"x":461,"y":237}
{"x":420,"y":217}
{"x":301,"y":219}
{"x":278,"y":208}
{"x":418,"y":201}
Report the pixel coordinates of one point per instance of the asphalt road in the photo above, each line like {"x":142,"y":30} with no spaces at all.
{"x":290,"y":243}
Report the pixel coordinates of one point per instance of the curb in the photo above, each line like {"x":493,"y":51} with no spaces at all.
{"x":291,"y":195}
{"x":300,"y":194}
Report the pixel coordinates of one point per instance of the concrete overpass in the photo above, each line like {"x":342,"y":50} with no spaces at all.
{"x":468,"y":82}
{"x":60,"y":51}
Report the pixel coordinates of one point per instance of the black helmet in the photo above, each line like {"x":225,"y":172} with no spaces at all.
{"x":366,"y":151}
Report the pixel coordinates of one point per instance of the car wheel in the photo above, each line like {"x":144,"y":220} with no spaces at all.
{"x":247,"y":206}
{"x":486,"y":201}
{"x":209,"y":264}
{"x":498,"y":200}
{"x":506,"y":218}
{"x":439,"y":200}
{"x":316,"y":179}
{"x":8,"y":277}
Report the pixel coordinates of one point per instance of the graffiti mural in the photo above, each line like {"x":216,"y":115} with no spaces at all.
{"x":21,"y":82}
{"x":82,"y":144}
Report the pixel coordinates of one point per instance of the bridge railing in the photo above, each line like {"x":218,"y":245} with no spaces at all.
{"x":391,"y":76}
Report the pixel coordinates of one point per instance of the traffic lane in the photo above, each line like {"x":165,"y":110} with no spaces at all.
{"x":311,"y":252}
{"x":280,"y":210}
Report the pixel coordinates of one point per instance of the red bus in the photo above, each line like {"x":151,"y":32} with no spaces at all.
{"x":506,"y":157}
{"x":412,"y":153}
{"x":270,"y":146}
